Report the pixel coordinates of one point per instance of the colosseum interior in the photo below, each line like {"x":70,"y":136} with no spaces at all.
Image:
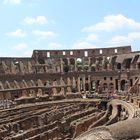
{"x":84,"y":94}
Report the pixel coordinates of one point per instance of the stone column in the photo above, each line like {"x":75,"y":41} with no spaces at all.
{"x":54,"y":91}
{"x":68,"y":61}
{"x":78,"y":84}
{"x":89,"y":83}
{"x":68,"y":81}
{"x":75,"y":64}
{"x":39,"y":93}
{"x":84,"y":82}
{"x":119,"y":85}
{"x":61,"y":64}
{"x":62,"y":91}
{"x":73,"y":82}
{"x":89,"y":61}
{"x":62,"y":83}
{"x":137,"y":66}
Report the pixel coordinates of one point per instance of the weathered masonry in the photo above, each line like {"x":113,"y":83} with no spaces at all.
{"x":53,"y":72}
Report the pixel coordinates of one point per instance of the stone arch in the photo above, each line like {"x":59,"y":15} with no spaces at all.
{"x":24,"y":84}
{"x":66,"y":68}
{"x":86,"y":86}
{"x":93,"y":67}
{"x":105,"y":86}
{"x":111,"y":87}
{"x":123,"y":82}
{"x":7,"y":84}
{"x":40,"y":83}
{"x":32,"y":83}
{"x":93,"y":60}
{"x":72,"y":61}
{"x":65,"y":60}
{"x":16,"y":84}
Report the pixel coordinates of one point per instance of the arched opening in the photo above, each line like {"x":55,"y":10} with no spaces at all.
{"x":79,"y":64}
{"x":79,"y":61}
{"x":105,"y":87}
{"x":66,"y":68}
{"x":93,"y":60}
{"x":119,"y":107}
{"x":123,"y":82}
{"x":119,"y":66}
{"x":110,"y":110}
{"x":86,"y":87}
{"x":65,"y":61}
{"x":41,"y":60}
{"x":111,"y":87}
{"x":128,"y":63}
{"x":93,"y":67}
{"x":72,"y":61}
{"x":139,"y":66}
{"x":93,"y":85}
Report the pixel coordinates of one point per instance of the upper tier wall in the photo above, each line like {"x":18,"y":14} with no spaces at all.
{"x":82,"y":52}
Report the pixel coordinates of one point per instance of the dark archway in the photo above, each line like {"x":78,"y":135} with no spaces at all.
{"x":139,"y":66}
{"x":72,"y":61}
{"x":123,"y":82}
{"x":105,"y":87}
{"x":111,"y":86}
{"x":65,"y":60}
{"x":86,"y":87}
{"x":119,"y":66}
{"x":66,"y":68}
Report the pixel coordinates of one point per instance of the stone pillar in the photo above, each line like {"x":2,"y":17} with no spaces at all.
{"x":62,"y":83}
{"x":89,"y":61}
{"x":68,"y":81}
{"x":47,"y":84}
{"x":68,"y":61}
{"x":61,"y":64}
{"x":89,"y":83}
{"x":62,"y":91}
{"x":119,"y":85}
{"x":73,"y":82}
{"x":84,"y":82}
{"x":54,"y":91}
{"x":79,"y":84}
{"x":40,"y":83}
{"x":46,"y":66}
{"x":54,"y":83}
{"x":29,"y":65}
{"x":58,"y":69}
{"x":75,"y":64}
{"x":39,"y":93}
{"x":13,"y":68}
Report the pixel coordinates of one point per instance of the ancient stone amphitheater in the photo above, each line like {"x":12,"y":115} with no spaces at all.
{"x":87,"y":94}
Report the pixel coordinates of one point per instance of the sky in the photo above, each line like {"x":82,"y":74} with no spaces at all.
{"x":27,"y":25}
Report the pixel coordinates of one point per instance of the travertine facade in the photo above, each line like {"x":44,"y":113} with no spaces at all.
{"x":50,"y":86}
{"x":60,"y":71}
